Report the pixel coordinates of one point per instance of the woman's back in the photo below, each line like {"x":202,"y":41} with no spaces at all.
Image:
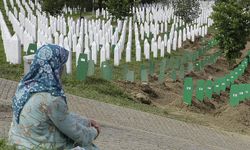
{"x":35,"y":127}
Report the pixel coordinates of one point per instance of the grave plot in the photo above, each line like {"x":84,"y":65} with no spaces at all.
{"x":217,"y":86}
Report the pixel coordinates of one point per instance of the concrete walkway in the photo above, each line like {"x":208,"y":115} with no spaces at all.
{"x":127,"y":129}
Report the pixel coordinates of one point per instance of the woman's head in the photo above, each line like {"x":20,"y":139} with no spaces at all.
{"x":49,"y":62}
{"x":44,"y":76}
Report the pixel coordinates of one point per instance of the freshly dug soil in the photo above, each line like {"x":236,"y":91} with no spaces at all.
{"x":215,"y":113}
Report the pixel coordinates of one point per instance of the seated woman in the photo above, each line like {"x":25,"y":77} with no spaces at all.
{"x":40,"y":114}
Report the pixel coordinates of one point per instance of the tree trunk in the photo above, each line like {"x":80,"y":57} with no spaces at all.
{"x":100,"y":4}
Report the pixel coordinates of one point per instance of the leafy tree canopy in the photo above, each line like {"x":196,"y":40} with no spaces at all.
{"x":187,"y":10}
{"x":53,"y":7}
{"x":231,"y":21}
{"x":119,"y":9}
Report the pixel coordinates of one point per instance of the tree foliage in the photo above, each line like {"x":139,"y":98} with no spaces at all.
{"x":119,"y":9}
{"x":149,"y":1}
{"x":53,"y":7}
{"x":231,"y":21}
{"x":187,"y":10}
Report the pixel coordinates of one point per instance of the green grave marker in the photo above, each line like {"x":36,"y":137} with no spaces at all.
{"x":106,"y":71}
{"x":181,"y":72}
{"x":173,"y":75}
{"x":144,"y":74}
{"x":247,"y":91}
{"x":200,"y":90}
{"x":234,"y":96}
{"x":188,"y":91}
{"x":189,"y":56}
{"x":228,"y":83}
{"x":197,"y":66}
{"x":209,"y":89}
{"x":241,"y":71}
{"x":125,"y":71}
{"x":91,"y":68}
{"x":177,"y":63}
{"x":223,"y":84}
{"x":162,"y":77}
{"x":241,"y":91}
{"x":82,"y":67}
{"x":168,"y":62}
{"x":236,"y":73}
{"x":217,"y":87}
{"x":130,"y":76}
{"x":32,"y":49}
{"x":151,"y":67}
{"x":232,"y":77}
{"x":190,"y":67}
{"x":193,"y":57}
{"x":162,"y":74}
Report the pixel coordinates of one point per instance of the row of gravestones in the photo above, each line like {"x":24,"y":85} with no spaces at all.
{"x":86,"y":67}
{"x":239,"y":93}
{"x":49,"y":41}
{"x":11,"y":44}
{"x":188,"y":62}
{"x":208,"y":60}
{"x":205,"y":89}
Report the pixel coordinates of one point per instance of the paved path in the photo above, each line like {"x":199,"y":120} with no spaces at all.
{"x":124,"y":129}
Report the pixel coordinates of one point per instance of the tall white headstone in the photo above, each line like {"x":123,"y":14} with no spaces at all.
{"x":94,"y":52}
{"x":116,"y":56}
{"x":102,"y":55}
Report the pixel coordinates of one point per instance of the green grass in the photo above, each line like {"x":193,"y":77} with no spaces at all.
{"x":5,"y":146}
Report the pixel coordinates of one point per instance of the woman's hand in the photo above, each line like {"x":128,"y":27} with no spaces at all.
{"x":96,"y":126}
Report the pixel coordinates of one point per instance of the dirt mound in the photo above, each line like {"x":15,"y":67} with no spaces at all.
{"x":215,"y":112}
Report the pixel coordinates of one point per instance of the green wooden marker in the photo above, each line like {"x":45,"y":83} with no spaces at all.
{"x":200,"y":90}
{"x":106,"y":71}
{"x":91,"y":68}
{"x":130,"y":76}
{"x":197,"y":66}
{"x":82,"y":67}
{"x":232,"y":77}
{"x":173,"y":75}
{"x":32,"y":49}
{"x":190,"y":67}
{"x":217,"y":87}
{"x":188,"y":91}
{"x":181,"y":72}
{"x":209,"y":89}
{"x":223,"y":85}
{"x":227,"y":78}
{"x":234,"y":96}
{"x":247,"y":91}
{"x":151,"y":67}
{"x":125,"y":71}
{"x":162,"y":74}
{"x":144,"y":74}
{"x":241,"y":91}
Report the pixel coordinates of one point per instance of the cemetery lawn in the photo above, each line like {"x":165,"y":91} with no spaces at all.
{"x":4,"y":146}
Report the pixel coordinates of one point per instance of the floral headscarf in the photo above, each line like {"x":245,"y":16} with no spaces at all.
{"x":44,"y":76}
